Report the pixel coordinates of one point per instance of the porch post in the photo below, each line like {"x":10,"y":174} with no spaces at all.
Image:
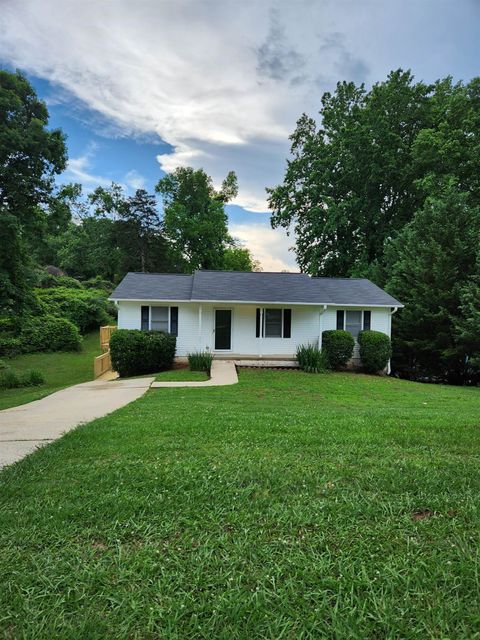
{"x":320,"y":326}
{"x":261,"y":334}
{"x":200,"y":327}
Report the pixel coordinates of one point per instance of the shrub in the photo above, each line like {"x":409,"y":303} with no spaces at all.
{"x":9,"y":380}
{"x":375,"y":350}
{"x":33,"y":378}
{"x":311,"y":359}
{"x":135,"y":352}
{"x":10,"y":346}
{"x":338,"y":346}
{"x":99,"y":283}
{"x":49,"y":333}
{"x":200,"y":361}
{"x":86,"y":308}
{"x":3,"y":365}
{"x":48,"y":280}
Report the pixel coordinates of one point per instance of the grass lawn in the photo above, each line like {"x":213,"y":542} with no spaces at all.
{"x":60,"y":370}
{"x":182,"y":375}
{"x":287,"y":506}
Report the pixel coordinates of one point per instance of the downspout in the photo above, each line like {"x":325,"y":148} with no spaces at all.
{"x":200,"y":327}
{"x":320,"y":326}
{"x":393,"y":310}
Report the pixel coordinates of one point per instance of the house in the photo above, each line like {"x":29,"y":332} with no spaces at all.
{"x":250,"y":315}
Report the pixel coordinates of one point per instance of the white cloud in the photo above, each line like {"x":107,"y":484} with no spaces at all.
{"x":80,"y":170}
{"x":224,"y":81}
{"x":269,"y":247}
{"x":135,"y":180}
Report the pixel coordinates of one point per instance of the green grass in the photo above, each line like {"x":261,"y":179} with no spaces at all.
{"x":61,"y":369}
{"x":288,"y":506}
{"x":182,"y":375}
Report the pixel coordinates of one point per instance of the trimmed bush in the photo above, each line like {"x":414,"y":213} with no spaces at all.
{"x":338,"y":347}
{"x":49,"y":333}
{"x":200,"y":361}
{"x":375,"y":350}
{"x":311,"y":359}
{"x":135,"y":352}
{"x":86,"y":308}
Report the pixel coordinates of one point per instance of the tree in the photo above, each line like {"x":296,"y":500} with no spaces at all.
{"x":30,"y":156}
{"x":194,"y":216}
{"x":349,"y":185}
{"x":435,"y":274}
{"x":141,"y":222}
{"x":239,"y":259}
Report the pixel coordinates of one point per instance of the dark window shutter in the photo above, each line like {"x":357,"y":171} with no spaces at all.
{"x":257,"y":325}
{"x":145,"y":318}
{"x":367,"y":317}
{"x":287,"y":323}
{"x":340,"y":319}
{"x":174,"y":321}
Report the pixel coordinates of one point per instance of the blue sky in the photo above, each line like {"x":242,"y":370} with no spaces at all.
{"x":143,"y":87}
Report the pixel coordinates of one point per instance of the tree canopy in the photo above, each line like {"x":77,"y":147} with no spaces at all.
{"x":30,"y":156}
{"x":195,"y":221}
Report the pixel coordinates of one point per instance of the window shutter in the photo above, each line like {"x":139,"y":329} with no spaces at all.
{"x":145,"y":318}
{"x":174,"y":321}
{"x":287,"y":323}
{"x":340,"y":319}
{"x":257,"y":325}
{"x":367,"y":317}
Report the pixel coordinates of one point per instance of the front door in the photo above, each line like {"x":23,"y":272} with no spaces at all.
{"x":223,"y":329}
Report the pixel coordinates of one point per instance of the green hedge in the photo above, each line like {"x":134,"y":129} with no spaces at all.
{"x":375,"y":350}
{"x":49,"y":333}
{"x":338,"y":347}
{"x":86,"y":308}
{"x":135,"y":352}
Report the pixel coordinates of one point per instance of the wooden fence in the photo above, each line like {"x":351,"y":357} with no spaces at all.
{"x":102,"y":364}
{"x":105,"y":333}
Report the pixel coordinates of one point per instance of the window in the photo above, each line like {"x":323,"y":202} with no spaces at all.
{"x":159,"y":319}
{"x":353,"y":321}
{"x":273,"y":323}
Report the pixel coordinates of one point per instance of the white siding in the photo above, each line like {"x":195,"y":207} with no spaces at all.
{"x":307,"y":322}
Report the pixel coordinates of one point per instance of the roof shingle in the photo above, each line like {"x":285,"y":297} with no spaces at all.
{"x":238,"y":286}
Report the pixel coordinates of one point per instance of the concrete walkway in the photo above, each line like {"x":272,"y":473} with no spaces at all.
{"x":222,"y":373}
{"x":24,"y":428}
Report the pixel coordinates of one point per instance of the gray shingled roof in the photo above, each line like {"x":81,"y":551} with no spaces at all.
{"x":231,"y":286}
{"x":154,"y":286}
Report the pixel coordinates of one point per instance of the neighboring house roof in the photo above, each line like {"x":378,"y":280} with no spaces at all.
{"x":255,"y":287}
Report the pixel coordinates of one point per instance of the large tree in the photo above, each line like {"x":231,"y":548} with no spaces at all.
{"x":194,"y":216}
{"x":435,"y":273}
{"x":30,"y":156}
{"x":349,"y":184}
{"x":236,"y":258}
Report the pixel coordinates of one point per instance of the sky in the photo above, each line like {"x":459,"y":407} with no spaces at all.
{"x":142,"y":87}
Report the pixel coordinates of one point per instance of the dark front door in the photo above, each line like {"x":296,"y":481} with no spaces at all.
{"x":223,"y":329}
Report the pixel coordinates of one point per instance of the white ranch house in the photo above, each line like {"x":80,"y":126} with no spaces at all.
{"x":255,"y":315}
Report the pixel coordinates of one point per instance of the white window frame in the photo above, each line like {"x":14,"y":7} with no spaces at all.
{"x":264,"y":323}
{"x":169,"y":315}
{"x":362,"y":311}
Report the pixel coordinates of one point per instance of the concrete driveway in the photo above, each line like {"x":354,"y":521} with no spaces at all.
{"x":24,"y":428}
